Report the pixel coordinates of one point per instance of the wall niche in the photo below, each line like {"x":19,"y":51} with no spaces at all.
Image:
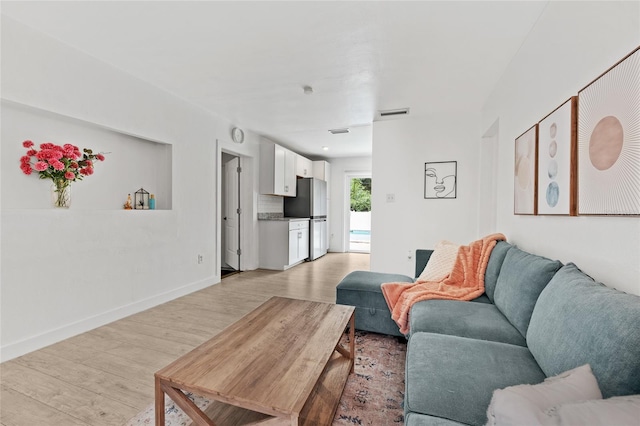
{"x":131,"y":162}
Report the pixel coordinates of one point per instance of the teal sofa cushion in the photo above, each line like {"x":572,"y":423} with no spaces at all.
{"x":415,"y":419}
{"x":465,"y":319}
{"x":422,"y":258}
{"x":493,"y":267}
{"x":481,"y":299}
{"x":579,"y":321}
{"x":522,"y":277}
{"x":362,"y":290}
{"x":454,"y":377}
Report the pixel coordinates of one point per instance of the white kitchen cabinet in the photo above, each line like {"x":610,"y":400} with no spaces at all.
{"x":283,"y":243}
{"x":277,"y":170}
{"x":304,"y":166}
{"x":321,"y":170}
{"x":298,"y":241}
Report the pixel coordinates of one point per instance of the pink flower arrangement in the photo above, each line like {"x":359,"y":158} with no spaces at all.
{"x":62,"y":164}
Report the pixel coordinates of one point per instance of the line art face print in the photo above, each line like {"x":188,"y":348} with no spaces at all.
{"x":440,"y":179}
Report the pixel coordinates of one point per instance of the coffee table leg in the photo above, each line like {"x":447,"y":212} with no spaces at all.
{"x":159,"y":409}
{"x":352,"y":340}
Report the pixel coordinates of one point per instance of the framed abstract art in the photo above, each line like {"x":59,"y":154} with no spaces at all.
{"x":440,"y":179}
{"x":609,"y":141}
{"x":556,"y":161}
{"x":524,"y":183}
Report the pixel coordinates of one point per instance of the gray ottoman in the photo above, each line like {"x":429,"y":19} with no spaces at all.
{"x":362,"y":290}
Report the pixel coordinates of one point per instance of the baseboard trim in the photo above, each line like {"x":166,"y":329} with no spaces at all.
{"x":22,"y":347}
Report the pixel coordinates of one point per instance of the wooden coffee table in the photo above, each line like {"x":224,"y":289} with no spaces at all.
{"x":282,"y":363}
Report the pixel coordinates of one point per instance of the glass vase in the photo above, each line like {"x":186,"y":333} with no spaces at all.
{"x":61,"y":194}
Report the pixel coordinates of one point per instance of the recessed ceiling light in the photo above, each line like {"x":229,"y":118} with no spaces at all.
{"x":339,"y":131}
{"x":325,"y":148}
{"x":307,"y":90}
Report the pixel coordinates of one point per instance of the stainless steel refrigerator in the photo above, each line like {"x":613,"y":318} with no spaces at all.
{"x":311,"y":201}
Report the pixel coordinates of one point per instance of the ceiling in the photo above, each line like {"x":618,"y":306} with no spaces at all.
{"x":249,"y":61}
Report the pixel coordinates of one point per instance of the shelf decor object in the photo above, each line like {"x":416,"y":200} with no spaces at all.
{"x":61,"y":193}
{"x":556,"y":161}
{"x":62,"y":164}
{"x":609,"y":141}
{"x":141,"y":200}
{"x":524,"y":184}
{"x":440,"y":179}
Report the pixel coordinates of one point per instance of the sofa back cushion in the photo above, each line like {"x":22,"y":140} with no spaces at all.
{"x":493,"y":267}
{"x":578,"y":321}
{"x":422,"y":258}
{"x":522,"y":277}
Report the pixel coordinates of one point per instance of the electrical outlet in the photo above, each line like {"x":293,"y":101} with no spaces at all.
{"x":409,"y":254}
{"x":200,"y":258}
{"x":391,"y":198}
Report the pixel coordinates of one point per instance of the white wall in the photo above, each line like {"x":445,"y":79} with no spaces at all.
{"x":64,"y":272}
{"x":572,"y":44}
{"x":339,"y":202}
{"x":400,"y":149}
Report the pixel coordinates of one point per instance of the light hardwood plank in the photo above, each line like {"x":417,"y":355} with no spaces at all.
{"x":137,"y":340}
{"x":155,"y":330}
{"x":19,"y":409}
{"x":130,"y":392}
{"x":160,"y":318}
{"x":134,"y":348}
{"x":77,"y":402}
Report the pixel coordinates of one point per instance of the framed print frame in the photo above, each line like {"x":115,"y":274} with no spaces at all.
{"x":524,"y":175}
{"x":609,"y":141}
{"x":557,"y":135}
{"x":441,"y":180}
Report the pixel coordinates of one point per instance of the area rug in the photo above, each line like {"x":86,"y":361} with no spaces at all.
{"x":372,"y":396}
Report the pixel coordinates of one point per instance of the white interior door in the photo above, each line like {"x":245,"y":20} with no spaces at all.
{"x":231,"y":215}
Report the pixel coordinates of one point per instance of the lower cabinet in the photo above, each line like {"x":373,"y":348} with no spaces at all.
{"x":283,"y":243}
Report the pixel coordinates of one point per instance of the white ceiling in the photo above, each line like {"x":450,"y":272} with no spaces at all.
{"x":248,"y":61}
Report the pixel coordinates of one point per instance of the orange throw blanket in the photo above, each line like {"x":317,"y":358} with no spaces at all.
{"x":465,"y":282}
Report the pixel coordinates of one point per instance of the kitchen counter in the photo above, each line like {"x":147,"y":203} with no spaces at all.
{"x":287,"y":219}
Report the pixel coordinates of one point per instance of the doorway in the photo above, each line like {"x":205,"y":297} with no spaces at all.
{"x":230,"y":208}
{"x":359,"y":214}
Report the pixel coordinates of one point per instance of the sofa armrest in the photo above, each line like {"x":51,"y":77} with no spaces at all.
{"x":422,"y":257}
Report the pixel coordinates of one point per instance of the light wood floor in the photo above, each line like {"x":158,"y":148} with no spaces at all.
{"x":105,"y":376}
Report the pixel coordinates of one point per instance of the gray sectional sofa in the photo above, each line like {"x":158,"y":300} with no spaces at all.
{"x":538,"y":318}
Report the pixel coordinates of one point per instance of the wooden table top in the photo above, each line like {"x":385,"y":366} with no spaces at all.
{"x":268,"y":361}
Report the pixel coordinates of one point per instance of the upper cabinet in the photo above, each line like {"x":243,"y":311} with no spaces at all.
{"x":321,"y":170}
{"x":304,"y":166}
{"x":277,"y":170}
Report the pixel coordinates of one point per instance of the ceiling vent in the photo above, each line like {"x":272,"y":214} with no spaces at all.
{"x":393,"y":113}
{"x":338,"y":131}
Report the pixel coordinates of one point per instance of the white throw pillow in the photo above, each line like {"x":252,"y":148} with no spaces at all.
{"x":619,"y":411}
{"x":441,"y":262}
{"x":528,"y":404}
